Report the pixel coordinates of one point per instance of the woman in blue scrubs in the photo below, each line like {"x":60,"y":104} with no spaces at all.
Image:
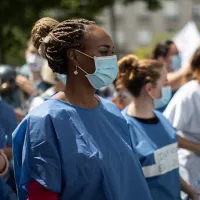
{"x":151,"y":134}
{"x":76,"y":144}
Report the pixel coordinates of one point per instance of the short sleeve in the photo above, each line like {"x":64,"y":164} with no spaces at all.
{"x":35,"y":102}
{"x":40,"y":154}
{"x":135,"y":140}
{"x":179,"y":113}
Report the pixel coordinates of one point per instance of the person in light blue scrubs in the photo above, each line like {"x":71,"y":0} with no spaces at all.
{"x":151,"y":133}
{"x":6,"y":192}
{"x":77,"y":144}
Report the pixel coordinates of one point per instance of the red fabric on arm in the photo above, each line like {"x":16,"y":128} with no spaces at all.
{"x":39,"y":192}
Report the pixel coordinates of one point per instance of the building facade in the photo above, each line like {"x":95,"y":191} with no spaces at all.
{"x":136,"y":25}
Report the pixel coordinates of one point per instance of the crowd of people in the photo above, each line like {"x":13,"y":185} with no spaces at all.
{"x":76,"y":123}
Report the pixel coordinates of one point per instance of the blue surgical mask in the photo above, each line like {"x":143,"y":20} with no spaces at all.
{"x":176,"y":62}
{"x":62,"y":78}
{"x":164,"y":100}
{"x":106,"y":69}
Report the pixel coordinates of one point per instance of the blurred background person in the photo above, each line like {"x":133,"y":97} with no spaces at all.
{"x":167,"y":53}
{"x":8,"y":123}
{"x":121,"y":97}
{"x":33,"y":68}
{"x":19,"y":90}
{"x":184,"y":113}
{"x":59,"y":84}
{"x":106,"y":92}
{"x":152,"y":136}
{"x":9,"y":90}
{"x":6,"y":192}
{"x":14,"y":92}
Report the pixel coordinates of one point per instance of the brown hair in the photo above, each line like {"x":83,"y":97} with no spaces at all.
{"x":53,"y":39}
{"x":195,"y":64}
{"x":134,"y":73}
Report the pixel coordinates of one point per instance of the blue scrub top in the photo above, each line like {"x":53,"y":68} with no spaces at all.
{"x":2,"y":138}
{"x":83,"y":154}
{"x":156,"y":148}
{"x":8,"y":121}
{"x":6,"y":192}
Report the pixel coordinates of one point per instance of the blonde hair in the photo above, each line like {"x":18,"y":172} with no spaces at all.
{"x":134,"y":73}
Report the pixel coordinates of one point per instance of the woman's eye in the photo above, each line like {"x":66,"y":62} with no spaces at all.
{"x":104,"y":53}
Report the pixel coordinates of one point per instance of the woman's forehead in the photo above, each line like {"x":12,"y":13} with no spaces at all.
{"x":96,"y":36}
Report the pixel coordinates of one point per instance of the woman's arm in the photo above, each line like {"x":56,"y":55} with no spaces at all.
{"x":39,"y":192}
{"x":186,"y":144}
{"x":188,"y":190}
{"x":175,"y":79}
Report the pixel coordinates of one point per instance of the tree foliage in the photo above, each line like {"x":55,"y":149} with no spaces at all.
{"x":18,"y":16}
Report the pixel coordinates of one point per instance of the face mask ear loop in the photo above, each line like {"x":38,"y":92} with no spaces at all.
{"x":76,"y":71}
{"x":77,"y":66}
{"x":84,"y":53}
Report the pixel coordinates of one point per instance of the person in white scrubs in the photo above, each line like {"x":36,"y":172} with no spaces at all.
{"x":167,"y":53}
{"x":184,"y":113}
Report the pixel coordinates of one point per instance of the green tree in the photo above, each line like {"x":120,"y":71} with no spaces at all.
{"x":16,"y":20}
{"x":18,"y":16}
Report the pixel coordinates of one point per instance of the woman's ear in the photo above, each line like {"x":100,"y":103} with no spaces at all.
{"x":71,"y":54}
{"x":148,"y":88}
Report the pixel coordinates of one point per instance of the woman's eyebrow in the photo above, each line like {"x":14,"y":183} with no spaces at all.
{"x":105,"y":45}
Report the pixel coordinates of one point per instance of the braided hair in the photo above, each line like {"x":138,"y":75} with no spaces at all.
{"x":53,"y":39}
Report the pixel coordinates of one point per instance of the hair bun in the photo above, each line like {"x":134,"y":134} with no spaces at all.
{"x":128,"y":63}
{"x":133,"y":60}
{"x":41,"y":29}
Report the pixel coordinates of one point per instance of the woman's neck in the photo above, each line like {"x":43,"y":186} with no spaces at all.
{"x":141,"y":107}
{"x":80,"y":94}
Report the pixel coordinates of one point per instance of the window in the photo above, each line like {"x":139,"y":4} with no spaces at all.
{"x":143,"y":15}
{"x":119,"y":9}
{"x":120,"y":37}
{"x":144,"y":37}
{"x":171,"y":10}
{"x":196,"y":12}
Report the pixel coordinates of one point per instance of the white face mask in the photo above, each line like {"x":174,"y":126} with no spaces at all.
{"x":105,"y":73}
{"x":35,"y":62}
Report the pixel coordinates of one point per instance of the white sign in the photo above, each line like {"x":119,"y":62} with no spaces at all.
{"x":166,"y":160}
{"x":187,"y":41}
